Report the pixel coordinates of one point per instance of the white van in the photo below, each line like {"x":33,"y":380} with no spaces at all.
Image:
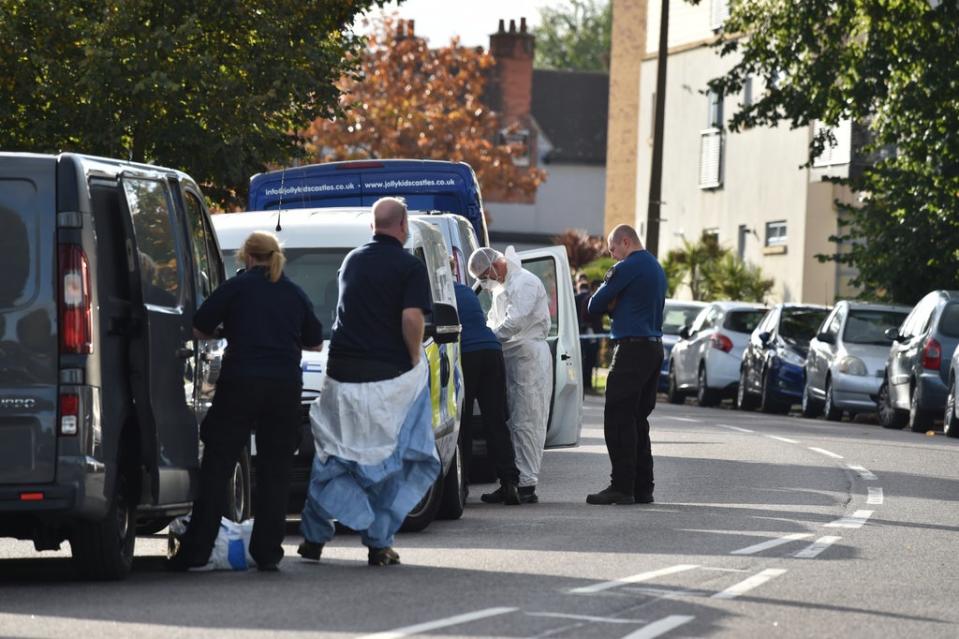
{"x":315,"y":242}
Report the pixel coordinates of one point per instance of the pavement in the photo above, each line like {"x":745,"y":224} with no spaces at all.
{"x":763,"y":526}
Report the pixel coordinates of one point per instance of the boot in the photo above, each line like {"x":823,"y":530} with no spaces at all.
{"x":383,"y":557}
{"x":527,"y":495}
{"x":310,"y":550}
{"x":610,"y":496}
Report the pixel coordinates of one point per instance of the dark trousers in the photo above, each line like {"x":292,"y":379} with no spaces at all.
{"x":273,"y":407}
{"x":484,"y":379}
{"x":630,"y":398}
{"x":589,"y":351}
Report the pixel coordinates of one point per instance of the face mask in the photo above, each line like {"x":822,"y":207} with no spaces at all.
{"x":491,"y":285}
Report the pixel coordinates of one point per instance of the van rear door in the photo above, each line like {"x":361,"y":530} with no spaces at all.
{"x":28,"y":319}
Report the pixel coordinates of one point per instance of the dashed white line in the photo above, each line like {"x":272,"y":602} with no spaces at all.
{"x":561,"y":615}
{"x":439,"y":623}
{"x":633,"y":579}
{"x":875,"y":495}
{"x":814,"y":549}
{"x":748,"y":584}
{"x":856,"y":520}
{"x":736,"y":428}
{"x":862,"y":472}
{"x":823,"y":451}
{"x":772,"y":543}
{"x":782,"y":439}
{"x":661,"y":627}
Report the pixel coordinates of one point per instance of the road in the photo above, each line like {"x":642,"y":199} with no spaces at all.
{"x":763,"y":526}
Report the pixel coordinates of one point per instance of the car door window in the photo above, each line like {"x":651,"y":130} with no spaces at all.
{"x":152,"y":213}
{"x":833,"y":329}
{"x":699,"y":321}
{"x":545,"y":269}
{"x":207,"y":275}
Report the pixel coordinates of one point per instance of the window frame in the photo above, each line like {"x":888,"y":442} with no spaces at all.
{"x":777,"y":240}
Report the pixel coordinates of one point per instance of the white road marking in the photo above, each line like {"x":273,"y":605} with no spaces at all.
{"x":865,"y":474}
{"x":823,"y":451}
{"x":633,"y":579}
{"x":772,"y":543}
{"x":686,"y":419}
{"x":782,"y":439}
{"x":875,"y":495}
{"x":736,"y":428}
{"x":814,"y":549}
{"x":661,"y":627}
{"x":560,"y":615}
{"x":439,"y":623}
{"x":856,"y":520}
{"x":748,"y":584}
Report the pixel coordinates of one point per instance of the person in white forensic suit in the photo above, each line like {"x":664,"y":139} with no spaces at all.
{"x":519,"y":317}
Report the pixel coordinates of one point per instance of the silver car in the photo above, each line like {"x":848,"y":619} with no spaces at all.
{"x":847,"y":359}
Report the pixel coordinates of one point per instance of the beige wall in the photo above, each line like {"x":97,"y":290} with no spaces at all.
{"x":687,"y":23}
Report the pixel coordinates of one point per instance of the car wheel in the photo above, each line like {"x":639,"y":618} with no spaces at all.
{"x":424,"y":512}
{"x":830,"y":411}
{"x":950,"y":423}
{"x":673,"y":394}
{"x":705,"y":396}
{"x":455,"y":487}
{"x":768,"y":403}
{"x":239,"y":507}
{"x":103,"y":550}
{"x":919,"y":419}
{"x":810,"y":407}
{"x":744,"y":399}
{"x":889,"y":416}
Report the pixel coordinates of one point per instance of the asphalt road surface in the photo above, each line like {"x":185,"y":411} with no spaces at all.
{"x":763,"y":526}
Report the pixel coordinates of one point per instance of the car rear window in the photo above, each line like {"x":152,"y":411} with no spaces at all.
{"x":18,"y":242}
{"x":949,"y":322}
{"x":800,"y":324}
{"x":675,"y":316}
{"x":744,"y":321}
{"x":869,"y":327}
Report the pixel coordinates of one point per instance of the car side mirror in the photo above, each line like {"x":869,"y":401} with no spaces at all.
{"x":826,"y":338}
{"x":894,"y":335}
{"x":764,"y":337}
{"x":445,"y":325}
{"x":685,"y":332}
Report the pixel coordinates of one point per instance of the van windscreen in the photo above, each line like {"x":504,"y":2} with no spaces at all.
{"x":18,"y":242}
{"x":315,"y":271}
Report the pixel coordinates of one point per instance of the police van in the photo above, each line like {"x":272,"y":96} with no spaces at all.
{"x":315,"y":242}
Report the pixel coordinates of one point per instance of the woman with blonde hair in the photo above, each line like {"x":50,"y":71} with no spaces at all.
{"x":267,"y":321}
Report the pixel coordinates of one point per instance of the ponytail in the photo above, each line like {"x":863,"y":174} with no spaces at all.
{"x":263,"y":247}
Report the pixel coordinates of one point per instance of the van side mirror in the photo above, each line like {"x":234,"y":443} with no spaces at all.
{"x":445,"y":325}
{"x":685,"y":332}
{"x":826,"y":338}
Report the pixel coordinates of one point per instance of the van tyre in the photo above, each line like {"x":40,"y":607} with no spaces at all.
{"x":455,"y":488}
{"x":673,"y":394}
{"x":744,"y":399}
{"x":950,"y":424}
{"x":705,"y":396}
{"x":239,"y":490}
{"x":425,"y":512}
{"x":889,"y":416}
{"x":103,"y":550}
{"x":920,"y":420}
{"x":829,"y":410}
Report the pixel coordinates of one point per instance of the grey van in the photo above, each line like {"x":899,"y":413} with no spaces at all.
{"x":102,"y":384}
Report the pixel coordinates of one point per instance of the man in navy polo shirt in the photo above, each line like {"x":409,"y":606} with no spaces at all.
{"x":634,"y":295}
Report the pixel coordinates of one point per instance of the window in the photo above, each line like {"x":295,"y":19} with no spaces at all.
{"x":718,"y":14}
{"x":748,"y":91}
{"x":316,"y":271}
{"x":714,"y":117}
{"x":776,"y":233}
{"x":949,"y":321}
{"x":869,"y":327}
{"x":741,"y":241}
{"x":20,"y":204}
{"x":152,"y":213}
{"x":545,"y":269}
{"x":799,"y":325}
{"x":838,"y":152}
{"x":834,"y":324}
{"x":676,"y":316}
{"x":744,"y":321}
{"x":710,"y":159}
{"x":207,"y":275}
{"x":518,"y":139}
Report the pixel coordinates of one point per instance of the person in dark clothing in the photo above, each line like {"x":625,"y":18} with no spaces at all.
{"x":267,"y":321}
{"x":588,"y":325}
{"x":484,"y":380}
{"x":634,"y":294}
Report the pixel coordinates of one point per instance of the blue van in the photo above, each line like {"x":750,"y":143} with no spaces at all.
{"x":427,"y":185}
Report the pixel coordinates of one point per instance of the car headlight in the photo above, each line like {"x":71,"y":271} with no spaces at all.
{"x":851,"y":366}
{"x":790,"y":357}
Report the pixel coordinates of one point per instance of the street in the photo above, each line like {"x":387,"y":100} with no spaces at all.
{"x":763,"y":526}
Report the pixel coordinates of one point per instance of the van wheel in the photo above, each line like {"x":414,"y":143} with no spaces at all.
{"x":889,"y":416}
{"x":103,"y":550}
{"x":239,"y":490}
{"x":424,"y":512}
{"x":454,"y":488}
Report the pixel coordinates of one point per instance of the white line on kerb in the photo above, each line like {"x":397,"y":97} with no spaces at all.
{"x":823,"y":451}
{"x":439,"y":623}
{"x":782,"y":439}
{"x":772,"y":543}
{"x":875,"y":495}
{"x":814,"y":549}
{"x":856,"y":520}
{"x":633,"y":579}
{"x":661,"y":627}
{"x":865,"y":474}
{"x":748,"y":584}
{"x":736,"y":428}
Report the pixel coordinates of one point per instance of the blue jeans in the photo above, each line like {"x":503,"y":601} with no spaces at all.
{"x":317,"y":527}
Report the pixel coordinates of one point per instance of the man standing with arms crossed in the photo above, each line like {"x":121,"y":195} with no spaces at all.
{"x":634,"y":294}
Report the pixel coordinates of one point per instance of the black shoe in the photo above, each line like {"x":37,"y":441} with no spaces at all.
{"x":610,"y":496}
{"x":268,"y":567}
{"x":383,"y":557}
{"x":180,"y":563}
{"x":527,"y":495}
{"x":510,"y":493}
{"x":644,"y":499}
{"x":495,"y":497}
{"x":310,"y":550}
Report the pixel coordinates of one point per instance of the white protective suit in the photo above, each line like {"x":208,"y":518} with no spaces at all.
{"x":520,"y":319}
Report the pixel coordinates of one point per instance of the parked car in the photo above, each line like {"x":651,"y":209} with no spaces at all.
{"x":676,"y":315}
{"x":771,"y":374}
{"x":102,"y":383}
{"x":705,"y":360}
{"x":915,"y":387}
{"x":950,"y":422}
{"x":847,"y":359}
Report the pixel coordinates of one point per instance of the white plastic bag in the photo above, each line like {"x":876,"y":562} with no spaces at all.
{"x":231,"y":550}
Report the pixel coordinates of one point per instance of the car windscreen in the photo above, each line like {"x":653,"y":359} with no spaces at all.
{"x":949,"y":322}
{"x":744,"y":321}
{"x":315,"y":271}
{"x":675,"y":316}
{"x":799,"y":325}
{"x":869,"y":327}
{"x":18,"y":242}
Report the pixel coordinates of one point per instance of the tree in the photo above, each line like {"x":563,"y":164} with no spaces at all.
{"x":692,"y":261}
{"x":216,"y":88}
{"x":729,"y":278}
{"x":581,"y":247}
{"x":576,"y":36}
{"x":891,"y":67}
{"x":408,"y":100}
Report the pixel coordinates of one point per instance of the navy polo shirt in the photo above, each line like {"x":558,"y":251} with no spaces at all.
{"x":377,"y":281}
{"x":266,"y":325}
{"x":639,"y":284}
{"x":476,"y":336}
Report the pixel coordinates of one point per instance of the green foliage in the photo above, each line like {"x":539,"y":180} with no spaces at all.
{"x":596,"y":270}
{"x":690,"y":263}
{"x":216,"y":88}
{"x":575,"y":36}
{"x":675,"y":271}
{"x":729,"y":278}
{"x":890,"y":66}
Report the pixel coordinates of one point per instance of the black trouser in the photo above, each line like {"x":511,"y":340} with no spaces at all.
{"x":273,"y":407}
{"x":589,"y":350}
{"x":630,"y":398}
{"x":484,"y":379}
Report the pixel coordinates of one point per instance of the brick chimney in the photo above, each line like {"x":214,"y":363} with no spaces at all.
{"x":512,"y":79}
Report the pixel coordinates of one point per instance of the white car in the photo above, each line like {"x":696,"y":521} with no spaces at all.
{"x":705,"y":360}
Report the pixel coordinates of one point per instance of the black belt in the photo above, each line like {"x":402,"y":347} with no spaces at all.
{"x":646,"y":338}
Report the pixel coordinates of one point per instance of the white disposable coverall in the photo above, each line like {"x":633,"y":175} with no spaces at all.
{"x":520,"y":319}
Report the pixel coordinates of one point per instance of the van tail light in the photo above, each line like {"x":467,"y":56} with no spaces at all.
{"x":69,"y":413}
{"x":932,"y":355}
{"x":721,"y":342}
{"x":75,"y":317}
